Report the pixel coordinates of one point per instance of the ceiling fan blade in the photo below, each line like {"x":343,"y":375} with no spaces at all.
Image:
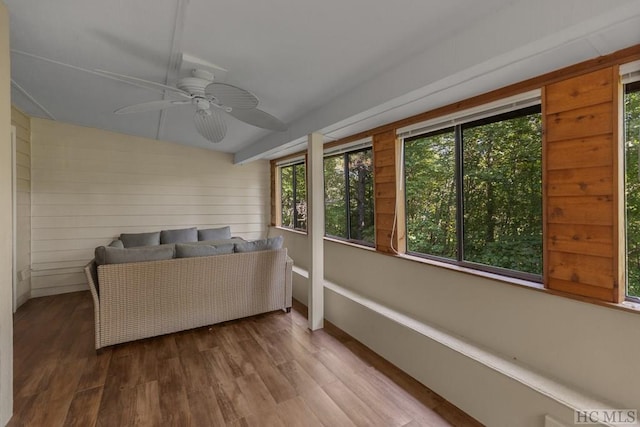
{"x":232,"y":96}
{"x":259,"y":118}
{"x":150,"y":106}
{"x":211,"y":124}
{"x":138,"y":82}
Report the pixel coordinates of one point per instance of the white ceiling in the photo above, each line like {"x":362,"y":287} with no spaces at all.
{"x":335,"y":66}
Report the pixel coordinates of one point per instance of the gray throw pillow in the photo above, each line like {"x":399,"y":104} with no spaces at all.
{"x":185,"y":250}
{"x":183,"y":235}
{"x":215,"y":233}
{"x":132,"y":240}
{"x":126,"y":255}
{"x":217,"y":242}
{"x":260,"y":245}
{"x":116,"y":244}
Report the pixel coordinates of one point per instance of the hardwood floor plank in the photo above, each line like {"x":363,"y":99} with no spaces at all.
{"x":232,"y":403}
{"x":279,"y":387}
{"x":95,"y":370}
{"x":325,"y":409}
{"x":203,"y":409}
{"x":297,"y":376}
{"x":174,"y":402}
{"x":294,"y":412}
{"x":269,"y":419}
{"x":84,"y":408}
{"x":267,"y":370}
{"x":147,"y":405}
{"x":258,"y":397}
{"x":357,"y":411}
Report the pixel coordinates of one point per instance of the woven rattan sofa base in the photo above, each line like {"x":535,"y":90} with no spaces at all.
{"x":146,"y":299}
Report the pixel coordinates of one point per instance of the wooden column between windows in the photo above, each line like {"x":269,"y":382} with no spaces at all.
{"x":315,"y":229}
{"x":389,"y":200}
{"x":582,"y":175}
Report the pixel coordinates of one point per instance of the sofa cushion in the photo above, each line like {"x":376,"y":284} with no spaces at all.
{"x":132,"y":240}
{"x":260,"y":245}
{"x":110,"y":255}
{"x":183,"y":235}
{"x":185,"y":250}
{"x":214,"y":233}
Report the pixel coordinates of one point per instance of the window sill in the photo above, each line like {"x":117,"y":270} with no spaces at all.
{"x":628,"y":306}
{"x":292,"y":230}
{"x":349,"y":243}
{"x":474,"y":272}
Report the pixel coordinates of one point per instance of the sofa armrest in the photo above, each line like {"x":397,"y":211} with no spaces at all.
{"x":91,"y":272}
{"x":288,"y":284}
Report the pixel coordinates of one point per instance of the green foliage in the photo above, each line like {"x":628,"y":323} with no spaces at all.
{"x":501,"y":187}
{"x":431,"y":194}
{"x":632,"y":190}
{"x":352,"y":183}
{"x":293,"y":196}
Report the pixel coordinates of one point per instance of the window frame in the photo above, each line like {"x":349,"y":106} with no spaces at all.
{"x":347,"y":196}
{"x":457,"y":128}
{"x":294,"y":165}
{"x":628,"y":87}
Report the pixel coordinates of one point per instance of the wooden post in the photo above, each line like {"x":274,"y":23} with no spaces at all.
{"x":315,"y":229}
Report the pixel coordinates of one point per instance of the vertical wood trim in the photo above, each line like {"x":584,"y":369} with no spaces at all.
{"x":545,"y":189}
{"x":576,"y":110}
{"x":400,"y":217}
{"x":386,"y":201}
{"x":619,"y":242}
{"x":276,"y":214}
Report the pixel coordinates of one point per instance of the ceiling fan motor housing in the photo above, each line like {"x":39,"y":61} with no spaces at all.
{"x":195,"y":85}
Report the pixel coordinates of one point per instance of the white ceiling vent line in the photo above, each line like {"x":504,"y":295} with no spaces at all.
{"x":32,"y":99}
{"x":175,"y":58}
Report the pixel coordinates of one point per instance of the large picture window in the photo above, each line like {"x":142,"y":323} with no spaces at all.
{"x":474,"y":193}
{"x":348,"y":183}
{"x":632,"y":186}
{"x":293,"y":196}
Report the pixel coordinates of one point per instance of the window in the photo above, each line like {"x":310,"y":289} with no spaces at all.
{"x":474,"y":193}
{"x":632,"y":186}
{"x":348,"y":183}
{"x":293,"y":196}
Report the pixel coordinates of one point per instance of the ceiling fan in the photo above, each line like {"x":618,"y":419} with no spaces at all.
{"x":211,"y":99}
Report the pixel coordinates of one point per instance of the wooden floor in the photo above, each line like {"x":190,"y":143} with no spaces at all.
{"x":268,"y":370}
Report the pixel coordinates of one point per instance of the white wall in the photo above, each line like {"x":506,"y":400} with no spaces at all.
{"x":22,"y":122}
{"x":589,"y":348}
{"x":6,"y":228}
{"x":89,"y":185}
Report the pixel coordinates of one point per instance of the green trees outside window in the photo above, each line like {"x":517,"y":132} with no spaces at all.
{"x":430,"y":164}
{"x":474,"y":193}
{"x":632,"y":185}
{"x":293,"y":196}
{"x":348,"y":183}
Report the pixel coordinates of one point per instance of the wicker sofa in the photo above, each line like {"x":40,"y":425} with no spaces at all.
{"x":145,"y":299}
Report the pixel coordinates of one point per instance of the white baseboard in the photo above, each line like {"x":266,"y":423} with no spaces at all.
{"x":44,"y":292}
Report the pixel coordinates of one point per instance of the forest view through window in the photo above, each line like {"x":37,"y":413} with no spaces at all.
{"x":348,"y":196}
{"x":293,"y":196}
{"x":632,"y":186}
{"x":474,"y":193}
